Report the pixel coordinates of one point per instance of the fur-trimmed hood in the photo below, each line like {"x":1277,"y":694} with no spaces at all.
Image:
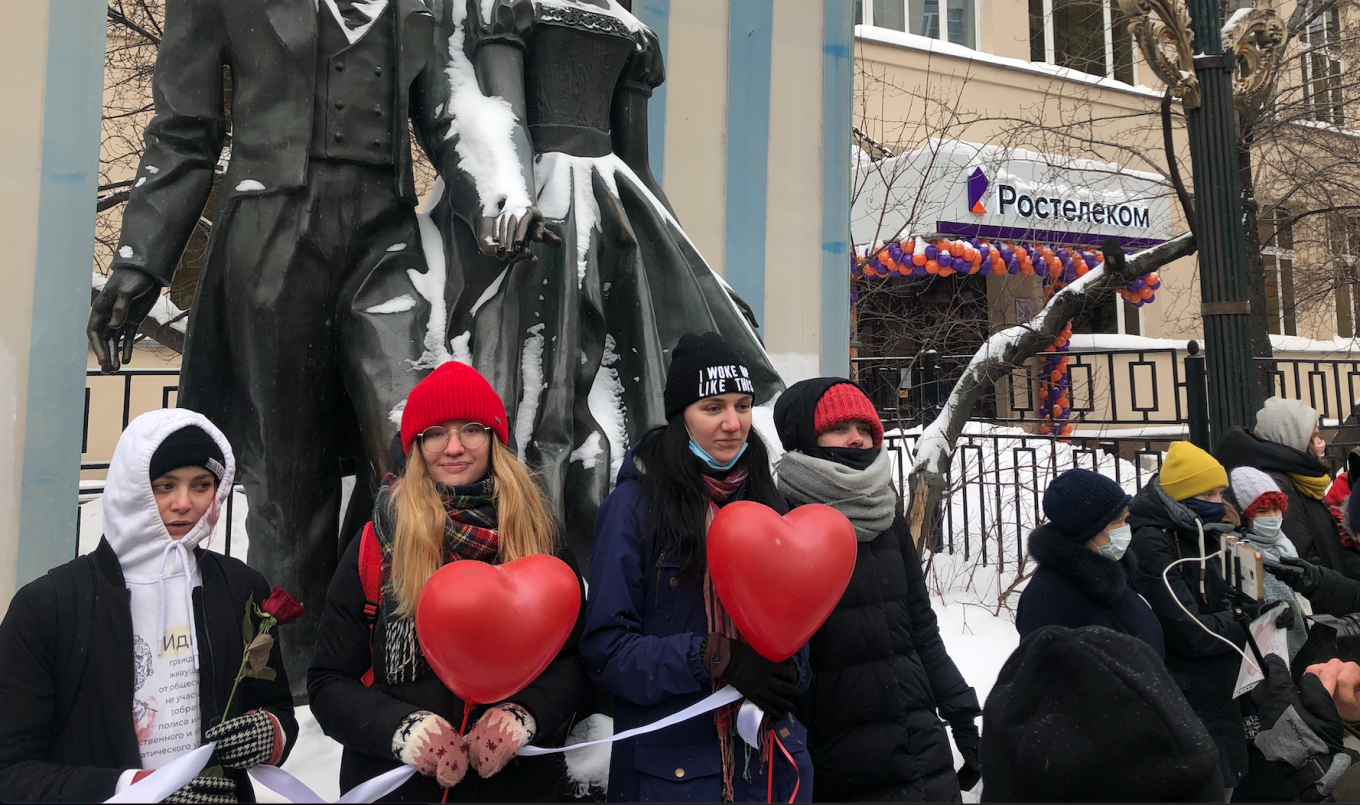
{"x":1102,"y":580}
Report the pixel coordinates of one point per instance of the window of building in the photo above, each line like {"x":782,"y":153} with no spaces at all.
{"x":949,"y":20}
{"x":1277,"y":258}
{"x":1343,"y":235}
{"x":1116,"y":317}
{"x":1090,"y":36}
{"x":1321,"y":66}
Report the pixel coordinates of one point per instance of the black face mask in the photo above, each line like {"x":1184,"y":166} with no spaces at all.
{"x":853,"y":457}
{"x":1207,"y":511}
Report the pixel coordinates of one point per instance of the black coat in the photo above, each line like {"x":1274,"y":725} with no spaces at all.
{"x":1077,"y":587}
{"x":1203,"y":666}
{"x":1308,"y":523}
{"x":66,"y":675}
{"x":364,"y":719}
{"x":882,"y":680}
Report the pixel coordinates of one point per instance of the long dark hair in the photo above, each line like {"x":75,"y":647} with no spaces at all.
{"x":673,"y":488}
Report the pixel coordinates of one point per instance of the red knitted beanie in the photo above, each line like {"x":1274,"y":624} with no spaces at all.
{"x":842,"y":403}
{"x":452,"y":391}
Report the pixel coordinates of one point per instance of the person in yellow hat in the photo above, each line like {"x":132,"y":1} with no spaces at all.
{"x":1179,"y":514}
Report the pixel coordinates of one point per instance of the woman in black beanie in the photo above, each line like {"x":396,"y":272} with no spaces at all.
{"x":883,"y":683}
{"x":656,"y":634}
{"x":1084,"y":563}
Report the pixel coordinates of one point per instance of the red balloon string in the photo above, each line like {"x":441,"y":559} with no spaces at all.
{"x":467,"y":711}
{"x":445,"y":798}
{"x":770,"y":742}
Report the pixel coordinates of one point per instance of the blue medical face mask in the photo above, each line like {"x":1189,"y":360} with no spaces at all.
{"x":1119,"y":543}
{"x":711,"y":461}
{"x":1267,"y":528}
{"x":1206,"y":510}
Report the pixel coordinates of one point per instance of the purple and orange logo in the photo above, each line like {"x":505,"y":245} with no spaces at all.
{"x":977,"y":188}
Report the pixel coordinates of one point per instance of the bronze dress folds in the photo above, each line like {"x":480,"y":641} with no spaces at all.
{"x":578,"y":344}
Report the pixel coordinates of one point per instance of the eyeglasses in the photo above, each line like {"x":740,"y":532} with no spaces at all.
{"x":434,"y":440}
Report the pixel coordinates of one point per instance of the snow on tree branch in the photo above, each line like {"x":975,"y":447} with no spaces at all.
{"x":1013,"y":346}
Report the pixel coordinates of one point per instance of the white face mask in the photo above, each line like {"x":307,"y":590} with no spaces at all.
{"x":1119,"y":543}
{"x":1267,"y":528}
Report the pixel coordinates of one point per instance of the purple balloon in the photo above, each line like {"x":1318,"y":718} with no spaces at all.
{"x":1158,"y":284}
{"x":931,"y":252}
{"x":1138,"y":284}
{"x":1041,"y":268}
{"x":985,"y":269}
{"x":881,"y":270}
{"x":986,"y":252}
{"x":1013,"y":265}
{"x":1006,"y":254}
{"x":1150,"y":298}
{"x":945,"y":260}
{"x":895,"y":252}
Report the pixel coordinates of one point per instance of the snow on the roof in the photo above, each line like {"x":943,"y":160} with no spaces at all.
{"x":901,"y":39}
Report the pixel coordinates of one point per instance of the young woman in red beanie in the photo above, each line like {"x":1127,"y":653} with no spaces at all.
{"x":462,"y":495}
{"x":883,"y":684}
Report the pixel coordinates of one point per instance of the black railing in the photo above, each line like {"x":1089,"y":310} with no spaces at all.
{"x":127,"y":381}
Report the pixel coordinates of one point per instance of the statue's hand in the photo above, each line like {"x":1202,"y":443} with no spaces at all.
{"x":116,"y":314}
{"x":508,"y":235}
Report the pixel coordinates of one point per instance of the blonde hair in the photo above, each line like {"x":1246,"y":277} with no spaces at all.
{"x":523,"y":522}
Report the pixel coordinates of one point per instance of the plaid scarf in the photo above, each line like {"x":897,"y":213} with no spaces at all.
{"x":469,"y":533}
{"x":719,"y":491}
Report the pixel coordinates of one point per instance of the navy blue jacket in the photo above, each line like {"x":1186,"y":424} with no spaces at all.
{"x":1075,"y":587}
{"x":645,"y":624}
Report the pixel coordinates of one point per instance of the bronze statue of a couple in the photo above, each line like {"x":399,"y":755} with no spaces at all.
{"x":545,"y":260}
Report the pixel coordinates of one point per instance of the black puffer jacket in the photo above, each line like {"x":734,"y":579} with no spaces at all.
{"x":1308,"y":523}
{"x":364,"y":719}
{"x":1203,"y":666}
{"x":880,"y":676}
{"x":66,"y":676}
{"x":1075,"y":586}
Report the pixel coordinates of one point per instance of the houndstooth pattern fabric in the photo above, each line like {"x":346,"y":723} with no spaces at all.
{"x":244,"y":741}
{"x":206,"y":791}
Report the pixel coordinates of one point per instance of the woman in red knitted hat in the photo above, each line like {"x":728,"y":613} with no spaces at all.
{"x":883,"y":685}
{"x":462,"y":495}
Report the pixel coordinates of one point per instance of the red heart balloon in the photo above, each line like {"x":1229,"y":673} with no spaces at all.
{"x":490,"y":630}
{"x":780,"y":577}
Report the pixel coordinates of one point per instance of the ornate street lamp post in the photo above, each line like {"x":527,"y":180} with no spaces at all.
{"x":1186,"y":51}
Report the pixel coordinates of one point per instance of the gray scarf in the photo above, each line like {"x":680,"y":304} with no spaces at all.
{"x":864,"y":496}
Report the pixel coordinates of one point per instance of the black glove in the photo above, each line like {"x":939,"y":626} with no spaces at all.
{"x":1285,"y":619}
{"x":967,"y":740}
{"x":1353,"y":467}
{"x":244,"y":741}
{"x":1303,"y":577}
{"x":1293,"y":723}
{"x":206,"y":791}
{"x":771,"y":686}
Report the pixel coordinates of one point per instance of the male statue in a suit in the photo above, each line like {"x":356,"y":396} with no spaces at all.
{"x":315,"y":313}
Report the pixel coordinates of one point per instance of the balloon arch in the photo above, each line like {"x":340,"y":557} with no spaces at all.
{"x":1057,"y":266}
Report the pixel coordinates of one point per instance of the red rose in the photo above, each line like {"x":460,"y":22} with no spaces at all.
{"x":281,"y":606}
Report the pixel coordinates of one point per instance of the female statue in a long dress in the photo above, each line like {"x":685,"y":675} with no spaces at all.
{"x":550,"y":98}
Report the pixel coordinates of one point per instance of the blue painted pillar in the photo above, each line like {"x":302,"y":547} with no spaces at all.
{"x":838,"y":88}
{"x":750,"y":31}
{"x":74,"y":88}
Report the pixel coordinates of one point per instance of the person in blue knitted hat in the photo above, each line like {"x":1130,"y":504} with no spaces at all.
{"x":1084,"y":564}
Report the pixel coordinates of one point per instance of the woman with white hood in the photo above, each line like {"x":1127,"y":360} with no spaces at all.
{"x":121,"y":660}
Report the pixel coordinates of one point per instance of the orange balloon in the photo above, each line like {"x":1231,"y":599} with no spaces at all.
{"x":1081,"y":269}
{"x":932,"y":267}
{"x":1146,"y":293}
{"x":1050,"y":348}
{"x":960,"y":248}
{"x":918,"y":259}
{"x":946,"y":271}
{"x":1151,"y":279}
{"x":1020,"y":253}
{"x":1026,"y":270}
{"x":1064,"y":361}
{"x":868,"y":270}
{"x":1055,"y":375}
{"x":908,"y":246}
{"x":1062,"y":401}
{"x":1046,"y":429}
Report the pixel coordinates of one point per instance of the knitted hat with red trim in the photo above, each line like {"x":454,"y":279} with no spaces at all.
{"x":454,"y":391}
{"x":844,"y":402}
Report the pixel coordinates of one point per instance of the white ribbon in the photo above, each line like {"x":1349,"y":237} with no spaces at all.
{"x":168,"y":779}
{"x":294,"y":790}
{"x":176,"y":774}
{"x":708,"y":704}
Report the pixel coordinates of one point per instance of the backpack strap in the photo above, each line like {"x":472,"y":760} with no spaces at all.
{"x":370,"y":577}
